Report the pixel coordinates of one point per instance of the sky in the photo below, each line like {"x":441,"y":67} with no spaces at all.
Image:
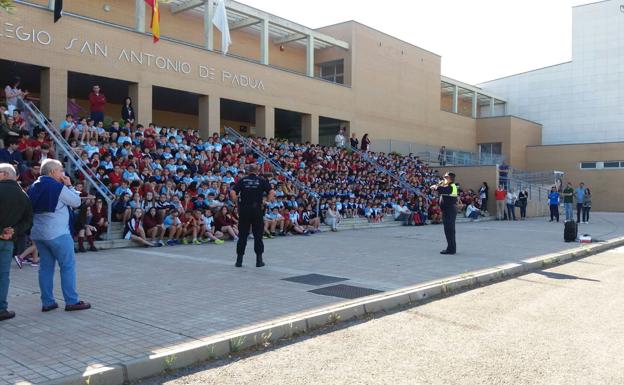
{"x":478,"y":40}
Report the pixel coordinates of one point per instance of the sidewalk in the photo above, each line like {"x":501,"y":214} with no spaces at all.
{"x":147,"y":300}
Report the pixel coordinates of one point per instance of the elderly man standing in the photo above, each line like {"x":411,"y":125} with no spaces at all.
{"x":15,"y":220}
{"x":53,"y":199}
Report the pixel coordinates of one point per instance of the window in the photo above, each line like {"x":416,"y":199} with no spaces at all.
{"x":588,"y":165}
{"x":333,"y":71}
{"x":612,"y":165}
{"x":608,"y":164}
{"x":490,"y":153}
{"x":447,"y":92}
{"x":491,"y":148}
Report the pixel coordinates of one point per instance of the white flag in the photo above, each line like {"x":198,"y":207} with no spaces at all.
{"x":220,"y":21}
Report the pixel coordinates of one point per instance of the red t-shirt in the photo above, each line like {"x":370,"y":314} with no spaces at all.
{"x":500,"y":195}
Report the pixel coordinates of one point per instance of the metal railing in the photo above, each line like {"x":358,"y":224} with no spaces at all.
{"x":538,"y":194}
{"x":382,"y":170}
{"x":63,"y":148}
{"x":537,"y":177}
{"x":248,"y":143}
{"x":460,"y":159}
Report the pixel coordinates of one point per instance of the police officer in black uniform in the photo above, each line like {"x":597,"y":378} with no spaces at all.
{"x":248,"y":192}
{"x":448,"y":195}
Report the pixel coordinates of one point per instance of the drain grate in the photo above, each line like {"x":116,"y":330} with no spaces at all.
{"x":315,"y":279}
{"x":345,"y":291}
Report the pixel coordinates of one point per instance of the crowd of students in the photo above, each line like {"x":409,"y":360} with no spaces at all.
{"x":171,"y":186}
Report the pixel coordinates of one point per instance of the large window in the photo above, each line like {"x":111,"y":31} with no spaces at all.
{"x":490,"y":152}
{"x":333,"y":71}
{"x":446,"y":96}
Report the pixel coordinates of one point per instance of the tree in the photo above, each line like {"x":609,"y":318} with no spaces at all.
{"x":7,"y":6}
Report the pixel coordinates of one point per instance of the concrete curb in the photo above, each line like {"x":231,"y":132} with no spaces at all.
{"x":224,"y":344}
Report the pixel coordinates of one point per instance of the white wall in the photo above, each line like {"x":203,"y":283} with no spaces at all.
{"x":581,"y":101}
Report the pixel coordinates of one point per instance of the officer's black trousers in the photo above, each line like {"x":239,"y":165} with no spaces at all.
{"x":448,"y":219}
{"x":250,"y":217}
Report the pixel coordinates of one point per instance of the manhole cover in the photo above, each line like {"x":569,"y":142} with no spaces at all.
{"x":315,"y":279}
{"x":345,"y":291}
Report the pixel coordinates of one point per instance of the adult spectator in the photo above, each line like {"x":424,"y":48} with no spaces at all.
{"x":442,"y":156}
{"x":448,"y":192}
{"x":365,"y":143}
{"x":12,"y":92}
{"x":340,"y":139}
{"x":523,"y":201}
{"x":579,"y":196}
{"x":484,"y":195}
{"x":251,"y":189}
{"x":587,"y":202}
{"x":503,"y":173}
{"x":553,"y":203}
{"x":97,"y":102}
{"x":568,"y":199}
{"x":500,"y":195}
{"x":354,"y":141}
{"x":53,"y":198}
{"x":510,"y":199}
{"x":127,"y":112}
{"x":15,"y":220}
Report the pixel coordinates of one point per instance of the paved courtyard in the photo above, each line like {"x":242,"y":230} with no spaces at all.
{"x":147,"y":300}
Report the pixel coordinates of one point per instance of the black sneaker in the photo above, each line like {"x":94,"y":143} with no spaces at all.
{"x":19,"y":262}
{"x":48,"y":308}
{"x":6,"y":314}
{"x":81,"y":305}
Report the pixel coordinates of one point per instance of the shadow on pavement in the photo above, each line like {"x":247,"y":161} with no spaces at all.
{"x":552,"y":275}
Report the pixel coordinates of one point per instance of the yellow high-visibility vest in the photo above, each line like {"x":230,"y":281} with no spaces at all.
{"x":454,"y":190}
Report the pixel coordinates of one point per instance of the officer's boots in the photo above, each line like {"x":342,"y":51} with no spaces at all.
{"x":239,"y":261}
{"x":259,"y":262}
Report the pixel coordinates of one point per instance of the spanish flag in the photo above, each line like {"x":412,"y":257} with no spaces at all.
{"x":155,"y":24}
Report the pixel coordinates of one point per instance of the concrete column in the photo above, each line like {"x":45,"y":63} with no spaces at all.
{"x":264,"y":42}
{"x":139,"y":15}
{"x":310,"y":128}
{"x":209,"y":115}
{"x":310,"y":56}
{"x":455,"y":99}
{"x":208,"y":27}
{"x":265,"y":121}
{"x":475,"y":105}
{"x":141,"y":94}
{"x":54,"y":94}
{"x":491,"y":106}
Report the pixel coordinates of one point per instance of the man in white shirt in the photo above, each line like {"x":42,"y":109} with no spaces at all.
{"x":340,"y":139}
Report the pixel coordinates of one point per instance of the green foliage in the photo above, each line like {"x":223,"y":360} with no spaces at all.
{"x":7,"y":6}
